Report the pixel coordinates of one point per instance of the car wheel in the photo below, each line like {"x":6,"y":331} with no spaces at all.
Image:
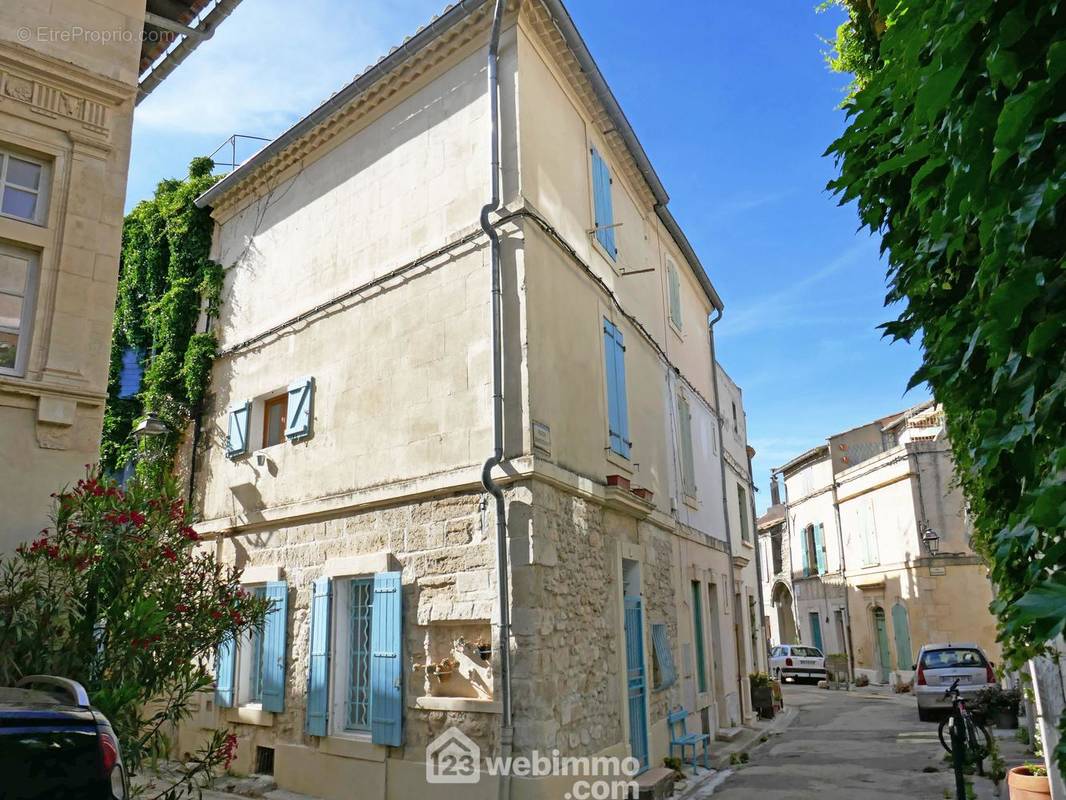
{"x":925,"y":715}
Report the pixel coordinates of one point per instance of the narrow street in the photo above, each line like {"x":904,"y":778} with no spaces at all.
{"x":858,"y":745}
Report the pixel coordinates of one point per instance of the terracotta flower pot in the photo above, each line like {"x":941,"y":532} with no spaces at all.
{"x":1024,"y":786}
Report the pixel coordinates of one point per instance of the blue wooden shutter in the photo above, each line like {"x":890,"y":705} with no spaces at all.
{"x":318,"y":670}
{"x":386,"y":649}
{"x":224,"y":669}
{"x":615,"y":369}
{"x":806,"y":547}
{"x":298,"y":424}
{"x":819,"y":547}
{"x":130,"y":373}
{"x":601,"y":195}
{"x":237,"y":438}
{"x":273,"y":664}
{"x":664,"y":655}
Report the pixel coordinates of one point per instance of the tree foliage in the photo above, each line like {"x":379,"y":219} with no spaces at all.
{"x":955,"y":152}
{"x":166,"y":279}
{"x":118,"y":596}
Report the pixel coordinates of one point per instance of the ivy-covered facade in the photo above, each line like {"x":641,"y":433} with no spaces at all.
{"x":160,"y":363}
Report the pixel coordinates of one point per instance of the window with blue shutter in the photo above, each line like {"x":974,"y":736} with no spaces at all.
{"x":358,"y":697}
{"x":819,"y":547}
{"x":805,"y":543}
{"x":298,"y":421}
{"x":664,"y":656}
{"x":225,"y":659}
{"x":386,"y":668}
{"x":255,"y":671}
{"x":688,"y":467}
{"x":615,"y":370}
{"x":318,"y":656}
{"x":604,"y":210}
{"x":130,"y":372}
{"x":237,"y":433}
{"x":272,"y":652}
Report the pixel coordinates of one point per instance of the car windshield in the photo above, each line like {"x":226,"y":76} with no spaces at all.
{"x":807,"y":652}
{"x":964,"y":657}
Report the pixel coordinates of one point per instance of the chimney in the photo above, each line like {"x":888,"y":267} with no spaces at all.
{"x":775,"y":492}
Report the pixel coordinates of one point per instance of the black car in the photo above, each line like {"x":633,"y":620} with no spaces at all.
{"x":55,"y":746}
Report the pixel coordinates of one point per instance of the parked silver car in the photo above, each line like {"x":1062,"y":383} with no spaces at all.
{"x":938,"y":666}
{"x":797,"y":662}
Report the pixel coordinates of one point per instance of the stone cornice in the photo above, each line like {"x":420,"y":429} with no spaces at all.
{"x":58,"y":89}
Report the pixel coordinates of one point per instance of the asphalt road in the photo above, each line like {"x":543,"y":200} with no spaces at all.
{"x":859,"y":745}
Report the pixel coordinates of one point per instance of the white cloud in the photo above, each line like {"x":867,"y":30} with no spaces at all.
{"x":273,"y":61}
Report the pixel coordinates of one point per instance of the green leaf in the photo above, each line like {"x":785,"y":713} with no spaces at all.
{"x":1003,"y":66}
{"x":934,"y":95}
{"x":1016,"y":120}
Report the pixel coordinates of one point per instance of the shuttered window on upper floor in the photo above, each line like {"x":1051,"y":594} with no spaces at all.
{"x":688,"y":467}
{"x":615,"y":371}
{"x":131,"y":372}
{"x":603,"y":223}
{"x":673,"y":280}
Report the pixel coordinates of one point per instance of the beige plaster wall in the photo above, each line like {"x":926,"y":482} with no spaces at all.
{"x":67,"y":103}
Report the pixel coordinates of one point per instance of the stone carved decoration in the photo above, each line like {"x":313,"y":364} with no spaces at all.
{"x":52,"y":101}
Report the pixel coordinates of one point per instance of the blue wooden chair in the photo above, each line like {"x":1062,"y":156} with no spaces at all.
{"x":682,"y":739}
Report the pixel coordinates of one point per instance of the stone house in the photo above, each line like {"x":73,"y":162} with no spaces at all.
{"x":879,"y":550}
{"x":340,"y":457}
{"x":70,"y":74}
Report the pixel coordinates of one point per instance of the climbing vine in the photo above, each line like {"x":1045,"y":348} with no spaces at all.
{"x":166,"y":279}
{"x":956,"y":155}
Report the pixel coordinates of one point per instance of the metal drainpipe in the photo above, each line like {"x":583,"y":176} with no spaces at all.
{"x":843,"y":579}
{"x":758,"y":569}
{"x":725,"y":500}
{"x":506,"y":726}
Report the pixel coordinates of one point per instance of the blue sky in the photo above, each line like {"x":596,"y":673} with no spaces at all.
{"x":734,"y":105}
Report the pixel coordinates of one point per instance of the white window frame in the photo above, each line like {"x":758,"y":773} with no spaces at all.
{"x":340,"y":620}
{"x":24,"y":332}
{"x":242,"y":670}
{"x":41,"y":211}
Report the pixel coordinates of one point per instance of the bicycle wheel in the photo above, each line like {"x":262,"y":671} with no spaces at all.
{"x":978,"y":740}
{"x":944,"y":732}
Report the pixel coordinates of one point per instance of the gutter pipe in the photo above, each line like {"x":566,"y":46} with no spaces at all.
{"x":493,"y":488}
{"x":731,"y":603}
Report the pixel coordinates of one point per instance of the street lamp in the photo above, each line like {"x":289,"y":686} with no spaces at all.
{"x":150,"y":427}
{"x":932,"y":540}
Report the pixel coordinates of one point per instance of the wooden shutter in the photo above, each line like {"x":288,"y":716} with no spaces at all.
{"x":674,"y":286}
{"x":819,"y":547}
{"x":274,"y":641}
{"x":318,"y":670}
{"x":615,"y":370}
{"x":237,"y":439}
{"x":298,"y":421}
{"x":902,"y":630}
{"x":225,"y":659}
{"x":688,"y":469}
{"x":386,"y":656}
{"x":604,"y":210}
{"x":806,"y":547}
{"x":664,"y":655}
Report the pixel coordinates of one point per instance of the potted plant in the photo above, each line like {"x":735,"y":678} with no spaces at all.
{"x":1029,"y":782}
{"x":762,"y":694}
{"x":999,"y":706}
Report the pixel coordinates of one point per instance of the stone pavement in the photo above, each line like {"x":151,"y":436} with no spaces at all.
{"x":866,"y":744}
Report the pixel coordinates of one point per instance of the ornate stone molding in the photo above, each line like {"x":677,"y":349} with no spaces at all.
{"x":59,"y":90}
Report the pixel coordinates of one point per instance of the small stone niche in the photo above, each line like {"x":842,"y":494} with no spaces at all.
{"x":456,"y":660}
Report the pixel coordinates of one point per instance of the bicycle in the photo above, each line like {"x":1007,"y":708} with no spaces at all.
{"x":974,"y":739}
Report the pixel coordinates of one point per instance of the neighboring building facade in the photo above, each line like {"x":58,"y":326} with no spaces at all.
{"x":69,"y":79}
{"x":350,"y":414}
{"x":863,"y":578}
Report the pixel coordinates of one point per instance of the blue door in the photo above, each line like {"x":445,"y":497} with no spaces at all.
{"x":637,"y":685}
{"x":816,"y":631}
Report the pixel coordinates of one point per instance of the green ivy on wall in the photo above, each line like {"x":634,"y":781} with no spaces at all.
{"x":166,"y":280}
{"x":955,"y":152}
